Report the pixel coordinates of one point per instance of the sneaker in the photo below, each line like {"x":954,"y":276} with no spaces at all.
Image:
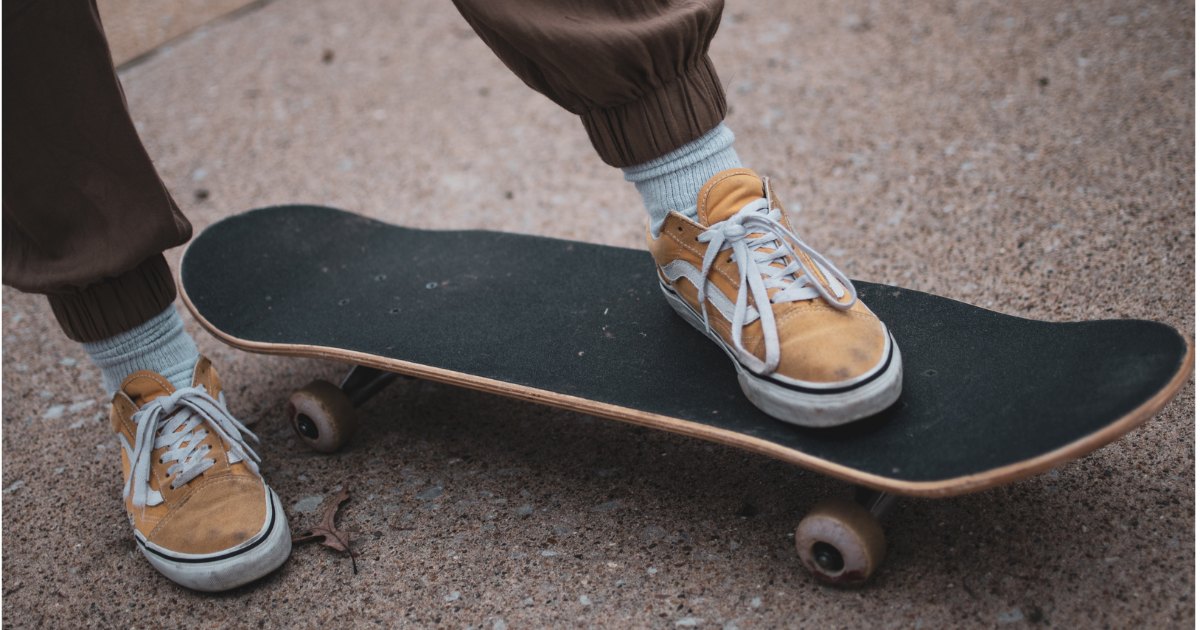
{"x":200,"y":512}
{"x":818,"y":357}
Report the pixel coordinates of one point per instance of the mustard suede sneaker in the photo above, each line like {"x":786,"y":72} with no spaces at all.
{"x":201,"y":513}
{"x":818,"y":357}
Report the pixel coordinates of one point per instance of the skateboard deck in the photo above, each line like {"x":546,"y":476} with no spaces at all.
{"x":988,"y":398}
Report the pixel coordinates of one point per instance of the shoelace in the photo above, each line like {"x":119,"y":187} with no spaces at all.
{"x":796,"y":279}
{"x":196,"y":408}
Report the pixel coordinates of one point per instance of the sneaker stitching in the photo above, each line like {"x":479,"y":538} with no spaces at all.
{"x":157,"y":467}
{"x":718,"y":266}
{"x":171,"y":514}
{"x":158,"y":379}
{"x":795,"y":312}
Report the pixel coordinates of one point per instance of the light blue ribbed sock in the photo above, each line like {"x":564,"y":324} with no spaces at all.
{"x":160,"y":344}
{"x":672,"y":181}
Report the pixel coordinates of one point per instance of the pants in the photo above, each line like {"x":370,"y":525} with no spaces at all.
{"x":86,"y":217}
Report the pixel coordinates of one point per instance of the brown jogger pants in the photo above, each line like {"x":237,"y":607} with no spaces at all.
{"x":86,"y":217}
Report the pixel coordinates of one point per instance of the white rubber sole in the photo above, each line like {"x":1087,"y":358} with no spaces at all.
{"x":814,"y":405}
{"x":232,"y":568}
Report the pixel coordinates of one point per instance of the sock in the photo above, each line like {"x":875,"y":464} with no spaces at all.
{"x":672,"y":181}
{"x":160,"y":345}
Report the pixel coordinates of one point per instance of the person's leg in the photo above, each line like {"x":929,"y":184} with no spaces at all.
{"x":85,"y":221}
{"x":638,"y":75}
{"x":671,"y":182}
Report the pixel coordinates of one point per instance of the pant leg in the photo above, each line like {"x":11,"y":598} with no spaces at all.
{"x":637,"y":72}
{"x":85,"y":216}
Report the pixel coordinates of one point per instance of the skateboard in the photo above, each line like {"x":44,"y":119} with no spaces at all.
{"x":988,"y":398}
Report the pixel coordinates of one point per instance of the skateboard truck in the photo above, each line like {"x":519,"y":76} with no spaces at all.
{"x":322,"y":414}
{"x":364,"y":382}
{"x":839,"y":541}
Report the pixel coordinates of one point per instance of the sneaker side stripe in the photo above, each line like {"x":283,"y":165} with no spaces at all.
{"x":265,"y":534}
{"x":682,"y":269}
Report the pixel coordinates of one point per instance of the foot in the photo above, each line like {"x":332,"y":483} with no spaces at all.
{"x":818,"y":357}
{"x":201,"y":513}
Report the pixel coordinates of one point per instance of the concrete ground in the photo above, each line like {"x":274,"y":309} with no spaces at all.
{"x":1034,"y":157}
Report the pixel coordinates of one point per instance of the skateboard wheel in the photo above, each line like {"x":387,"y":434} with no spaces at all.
{"x":840,"y":542}
{"x":321,"y":414}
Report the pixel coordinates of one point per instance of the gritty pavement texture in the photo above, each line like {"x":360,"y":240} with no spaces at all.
{"x":1033,"y":157}
{"x":137,"y":27}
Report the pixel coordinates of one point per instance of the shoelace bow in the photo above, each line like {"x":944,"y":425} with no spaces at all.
{"x":159,"y":416}
{"x":796,"y":279}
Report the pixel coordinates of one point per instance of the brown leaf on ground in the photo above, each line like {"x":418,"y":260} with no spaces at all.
{"x":326,"y":530}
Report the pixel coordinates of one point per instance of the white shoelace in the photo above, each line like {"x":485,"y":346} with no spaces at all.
{"x":795,"y":277}
{"x":183,"y":433}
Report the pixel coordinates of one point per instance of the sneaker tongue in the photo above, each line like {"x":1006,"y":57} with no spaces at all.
{"x":144,"y":386}
{"x":726,"y":193}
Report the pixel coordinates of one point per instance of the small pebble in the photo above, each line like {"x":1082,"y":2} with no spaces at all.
{"x":431,"y":493}
{"x":309,"y":504}
{"x":654,"y":532}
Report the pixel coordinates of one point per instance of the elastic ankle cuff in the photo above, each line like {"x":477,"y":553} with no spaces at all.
{"x":660,"y":121}
{"x":115,"y":305}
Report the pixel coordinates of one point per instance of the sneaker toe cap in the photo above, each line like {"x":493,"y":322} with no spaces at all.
{"x":830,"y":346}
{"x":217,"y":516}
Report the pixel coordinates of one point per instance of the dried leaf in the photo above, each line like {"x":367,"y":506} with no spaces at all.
{"x":326,"y":530}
